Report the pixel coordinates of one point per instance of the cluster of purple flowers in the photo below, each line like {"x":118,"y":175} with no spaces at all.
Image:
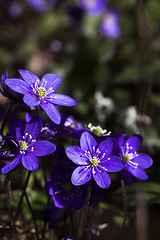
{"x":99,"y":154}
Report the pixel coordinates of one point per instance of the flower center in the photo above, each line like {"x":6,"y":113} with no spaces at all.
{"x":23,"y":145}
{"x":67,"y":187}
{"x":126,"y":158}
{"x":94,"y":161}
{"x":97,"y":130}
{"x":41,"y":92}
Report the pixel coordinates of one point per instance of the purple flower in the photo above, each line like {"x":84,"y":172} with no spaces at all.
{"x":53,"y":215}
{"x":9,"y":148}
{"x":110,"y":25}
{"x":30,"y":147}
{"x":94,"y":160}
{"x":41,"y":92}
{"x":75,"y":14}
{"x":135,"y":162}
{"x":7,"y":92}
{"x":74,"y":128}
{"x":15,"y":10}
{"x":39,"y":5}
{"x":63,"y":192}
{"x":93,"y":7}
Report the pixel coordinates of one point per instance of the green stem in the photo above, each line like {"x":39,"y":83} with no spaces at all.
{"x":10,"y":108}
{"x":33,"y":216}
{"x":124,"y":203}
{"x":22,"y":194}
{"x":9,"y":203}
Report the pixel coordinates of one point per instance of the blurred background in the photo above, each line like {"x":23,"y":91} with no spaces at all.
{"x":107,"y":53}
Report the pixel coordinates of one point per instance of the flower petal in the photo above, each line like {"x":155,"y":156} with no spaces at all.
{"x":9,"y":166}
{"x":31,"y":99}
{"x":143,"y":160}
{"x":49,"y":187}
{"x":88,"y":143}
{"x":102,"y":179}
{"x":113,"y":164}
{"x":17,"y":85}
{"x":134,"y":141}
{"x":53,"y":81}
{"x":77,"y":155}
{"x":30,"y":161}
{"x":42,"y":148}
{"x":137,"y":172}
{"x":29,"y":77}
{"x":51,"y":111}
{"x":106,"y":147}
{"x":33,"y":129}
{"x":62,"y":100}
{"x":126,"y":175}
{"x":81,"y":175}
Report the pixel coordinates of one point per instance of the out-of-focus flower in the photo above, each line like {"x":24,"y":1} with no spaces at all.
{"x":75,"y":14}
{"x":53,"y":215}
{"x":56,"y":45}
{"x":103,"y":106}
{"x":110,"y":25}
{"x":93,"y":7}
{"x":135,"y":162}
{"x":30,"y":147}
{"x":94,"y":160}
{"x":41,"y":5}
{"x":15,"y":10}
{"x":61,"y":189}
{"x":41,"y":92}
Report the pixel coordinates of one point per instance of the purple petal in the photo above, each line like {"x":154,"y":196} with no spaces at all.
{"x":135,"y":141}
{"x":113,"y":164}
{"x":126,"y":175}
{"x":27,"y":117}
{"x":53,"y":81}
{"x":31,"y":99}
{"x":59,"y":203}
{"x":107,"y":147}
{"x":30,"y":161}
{"x":81,"y":175}
{"x":102,"y":179}
{"x":33,"y":130}
{"x":143,"y":160}
{"x":137,"y":172}
{"x":62,"y":100}
{"x":51,"y":111}
{"x":17,"y":85}
{"x":88,"y":143}
{"x":29,"y":77}
{"x":9,"y":166}
{"x":42,"y":148}
{"x":77,"y":155}
{"x":48,"y":187}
